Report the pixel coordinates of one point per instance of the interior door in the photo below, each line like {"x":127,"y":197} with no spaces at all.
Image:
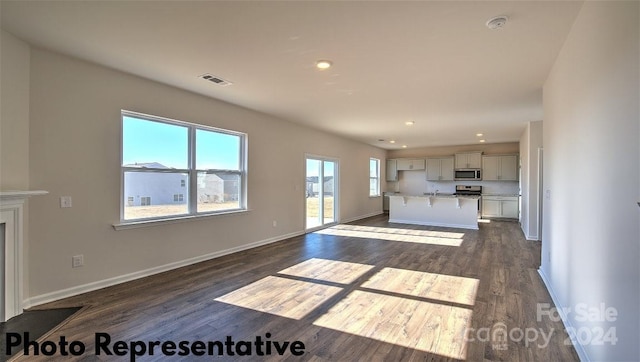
{"x":321,"y":197}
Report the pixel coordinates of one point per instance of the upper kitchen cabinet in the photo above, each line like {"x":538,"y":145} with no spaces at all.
{"x":410,"y":164}
{"x":469,"y":160}
{"x":500,"y":168}
{"x":440,"y":169}
{"x":392,"y":170}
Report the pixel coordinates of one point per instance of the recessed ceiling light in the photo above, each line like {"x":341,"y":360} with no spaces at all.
{"x":481,"y":141}
{"x":324,"y":64}
{"x":392,"y":141}
{"x":409,"y":123}
{"x":404,"y":146}
{"x":479,"y":134}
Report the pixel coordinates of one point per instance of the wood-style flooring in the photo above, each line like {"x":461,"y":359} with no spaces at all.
{"x":369,"y":291}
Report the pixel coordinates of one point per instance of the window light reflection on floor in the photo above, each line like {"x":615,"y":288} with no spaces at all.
{"x":328,"y":270}
{"x":394,"y":305}
{"x":425,"y":326}
{"x":283,"y":297}
{"x":445,"y":238}
{"x":448,"y":288}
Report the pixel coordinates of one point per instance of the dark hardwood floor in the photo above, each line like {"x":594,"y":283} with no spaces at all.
{"x":368,"y":290}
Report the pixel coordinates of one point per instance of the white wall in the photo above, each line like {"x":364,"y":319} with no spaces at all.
{"x":436,"y":151}
{"x":74,"y":150}
{"x":530,"y":143}
{"x":14,"y":125}
{"x":591,"y":235}
{"x":14,"y":113}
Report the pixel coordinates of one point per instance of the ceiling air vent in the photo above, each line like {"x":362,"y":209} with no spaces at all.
{"x":217,"y":80}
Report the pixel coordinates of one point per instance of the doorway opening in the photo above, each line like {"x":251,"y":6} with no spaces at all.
{"x":321,"y":196}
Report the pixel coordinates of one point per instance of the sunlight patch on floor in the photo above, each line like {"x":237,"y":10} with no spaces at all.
{"x":281,"y":296}
{"x":397,"y":306}
{"x":328,"y":270}
{"x":392,"y":234}
{"x":442,"y":287}
{"x":430,"y":327}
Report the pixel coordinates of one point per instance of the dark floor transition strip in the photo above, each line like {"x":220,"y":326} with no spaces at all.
{"x":36,"y":322}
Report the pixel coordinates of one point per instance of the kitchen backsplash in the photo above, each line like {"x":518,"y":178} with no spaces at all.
{"x":415,"y":183}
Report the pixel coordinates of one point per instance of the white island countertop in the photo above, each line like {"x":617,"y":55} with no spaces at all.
{"x":438,"y":195}
{"x":457,"y":211}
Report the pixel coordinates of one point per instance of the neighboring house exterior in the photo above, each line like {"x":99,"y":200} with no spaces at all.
{"x":210,"y":188}
{"x":158,"y":188}
{"x":231,"y":186}
{"x":313,"y":186}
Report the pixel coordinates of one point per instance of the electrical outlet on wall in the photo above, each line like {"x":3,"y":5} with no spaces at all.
{"x":77,"y":261}
{"x":65,"y":201}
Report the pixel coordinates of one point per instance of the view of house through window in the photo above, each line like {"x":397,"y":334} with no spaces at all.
{"x":374,"y":177}
{"x":172,"y":168}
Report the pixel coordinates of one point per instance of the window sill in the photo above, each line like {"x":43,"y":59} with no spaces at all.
{"x":375,"y":196}
{"x":135,"y":224}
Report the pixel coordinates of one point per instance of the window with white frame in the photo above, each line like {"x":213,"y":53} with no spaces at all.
{"x":180,"y":168}
{"x":374,"y":177}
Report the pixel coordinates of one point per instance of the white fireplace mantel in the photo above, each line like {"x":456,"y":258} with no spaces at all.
{"x":12,"y":216}
{"x":20,"y":195}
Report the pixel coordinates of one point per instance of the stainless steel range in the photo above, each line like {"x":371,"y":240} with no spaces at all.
{"x":470,"y":190}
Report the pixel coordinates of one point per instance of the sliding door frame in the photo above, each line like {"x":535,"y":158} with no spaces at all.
{"x":336,"y":192}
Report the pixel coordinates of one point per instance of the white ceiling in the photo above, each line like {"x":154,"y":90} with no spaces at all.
{"x":433,"y":62}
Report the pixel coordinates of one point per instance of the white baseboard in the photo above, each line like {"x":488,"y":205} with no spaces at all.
{"x":361,"y":217}
{"x":582,"y":354}
{"x":69,"y":292}
{"x":84,"y":288}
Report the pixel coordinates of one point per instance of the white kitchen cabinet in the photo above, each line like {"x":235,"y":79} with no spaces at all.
{"x":392,"y":170}
{"x":500,"y":168}
{"x":406,"y":164}
{"x":510,"y":208}
{"x":440,"y":169}
{"x":500,"y":206}
{"x":490,"y":208}
{"x":468,"y":160}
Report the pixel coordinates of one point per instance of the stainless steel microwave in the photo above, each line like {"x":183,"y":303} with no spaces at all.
{"x":468,"y":174}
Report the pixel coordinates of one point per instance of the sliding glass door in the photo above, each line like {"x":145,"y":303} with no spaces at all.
{"x":321,"y":197}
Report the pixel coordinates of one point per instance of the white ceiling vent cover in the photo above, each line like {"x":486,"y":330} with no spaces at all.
{"x":214,"y":79}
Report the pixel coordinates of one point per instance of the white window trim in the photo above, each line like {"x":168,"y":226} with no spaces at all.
{"x":192,"y":172}
{"x":378,"y":193}
{"x":140,"y":223}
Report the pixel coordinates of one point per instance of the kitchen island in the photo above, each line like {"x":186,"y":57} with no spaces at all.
{"x":435,"y":210}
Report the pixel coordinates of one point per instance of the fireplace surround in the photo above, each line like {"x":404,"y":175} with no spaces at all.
{"x":12,"y":219}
